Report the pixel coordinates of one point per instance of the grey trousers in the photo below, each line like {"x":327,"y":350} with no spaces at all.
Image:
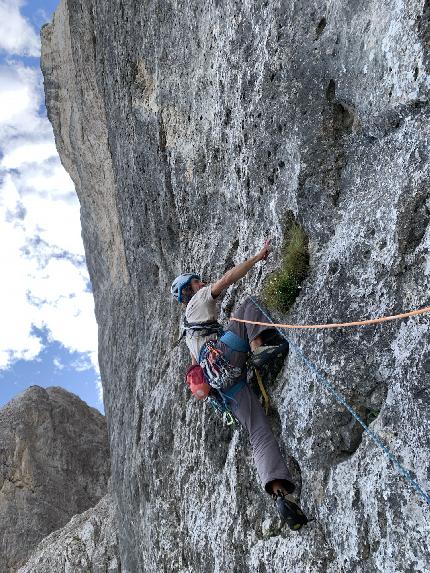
{"x":247,"y":408}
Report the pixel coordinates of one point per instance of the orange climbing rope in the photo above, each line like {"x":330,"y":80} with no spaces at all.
{"x":340,"y":324}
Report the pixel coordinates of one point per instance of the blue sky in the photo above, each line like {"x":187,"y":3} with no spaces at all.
{"x":48,"y":334}
{"x":38,"y":12}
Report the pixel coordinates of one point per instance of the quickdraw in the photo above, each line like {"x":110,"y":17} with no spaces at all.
{"x":222,"y":409}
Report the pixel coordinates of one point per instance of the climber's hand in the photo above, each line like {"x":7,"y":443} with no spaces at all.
{"x":264,"y":253}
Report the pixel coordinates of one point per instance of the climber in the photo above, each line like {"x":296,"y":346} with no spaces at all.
{"x":235,"y":344}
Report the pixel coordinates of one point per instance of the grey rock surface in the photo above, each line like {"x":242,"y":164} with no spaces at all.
{"x":54,"y":463}
{"x":87,"y":543}
{"x":189,"y":129}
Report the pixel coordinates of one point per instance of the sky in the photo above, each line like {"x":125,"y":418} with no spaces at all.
{"x":48,"y":332}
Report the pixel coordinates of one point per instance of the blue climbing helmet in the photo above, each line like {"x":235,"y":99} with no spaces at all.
{"x":180,"y":283}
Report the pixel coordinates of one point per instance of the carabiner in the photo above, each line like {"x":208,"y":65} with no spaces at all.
{"x":228,"y":418}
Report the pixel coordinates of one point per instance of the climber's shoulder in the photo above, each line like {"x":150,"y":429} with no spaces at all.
{"x":201,"y":306}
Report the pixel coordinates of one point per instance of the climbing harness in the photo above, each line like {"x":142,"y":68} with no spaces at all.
{"x":340,"y":398}
{"x":215,"y":371}
{"x":211,"y":327}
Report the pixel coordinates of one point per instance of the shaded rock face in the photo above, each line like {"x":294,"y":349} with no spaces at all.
{"x":54,"y":463}
{"x":190,"y":128}
{"x":87,"y":543}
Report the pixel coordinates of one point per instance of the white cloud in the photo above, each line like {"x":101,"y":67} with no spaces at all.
{"x":42,"y":290}
{"x":17,"y":36}
{"x":27,"y":153}
{"x":16,"y":338}
{"x":41,"y":252}
{"x":58,"y":364}
{"x":57,"y":279}
{"x":55,"y":221}
{"x":82,"y":363}
{"x":100,"y":389}
{"x":20,"y":101}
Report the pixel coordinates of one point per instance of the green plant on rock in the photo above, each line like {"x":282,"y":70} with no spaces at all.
{"x":282,"y":287}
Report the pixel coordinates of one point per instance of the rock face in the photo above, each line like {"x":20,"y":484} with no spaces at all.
{"x":87,"y":543}
{"x":190,"y":129}
{"x":54,"y":463}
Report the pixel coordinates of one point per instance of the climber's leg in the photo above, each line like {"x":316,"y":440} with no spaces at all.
{"x":267,"y":456}
{"x":268,"y":348}
{"x":250,"y":332}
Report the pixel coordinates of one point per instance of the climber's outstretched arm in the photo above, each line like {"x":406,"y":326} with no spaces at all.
{"x":239,"y":271}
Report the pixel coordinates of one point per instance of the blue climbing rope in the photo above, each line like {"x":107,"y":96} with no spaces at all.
{"x":320,"y":376}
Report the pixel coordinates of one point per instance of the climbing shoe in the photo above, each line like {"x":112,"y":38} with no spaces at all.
{"x":289,"y":512}
{"x":265,"y":354}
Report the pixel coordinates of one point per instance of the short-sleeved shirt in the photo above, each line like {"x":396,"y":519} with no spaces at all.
{"x":201,"y":308}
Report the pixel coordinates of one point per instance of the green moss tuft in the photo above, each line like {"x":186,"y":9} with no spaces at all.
{"x":282,"y":287}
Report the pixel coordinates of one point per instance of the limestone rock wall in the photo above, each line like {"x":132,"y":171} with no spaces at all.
{"x":87,"y":543}
{"x":190,"y":128}
{"x":54,"y":463}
